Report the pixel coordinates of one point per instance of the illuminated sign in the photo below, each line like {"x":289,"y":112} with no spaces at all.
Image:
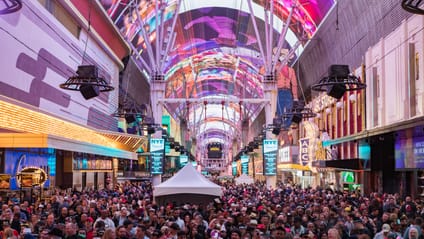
{"x":5,"y":181}
{"x":284,"y":155}
{"x":244,"y":159}
{"x":31,"y":176}
{"x":234,"y":167}
{"x":270,"y":150}
{"x":157,"y":151}
{"x":304,"y":151}
{"x":183,"y":160}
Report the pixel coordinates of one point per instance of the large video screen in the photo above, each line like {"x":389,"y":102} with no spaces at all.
{"x":409,"y":153}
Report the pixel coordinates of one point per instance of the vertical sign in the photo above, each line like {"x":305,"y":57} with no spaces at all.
{"x":270,"y":149}
{"x":183,"y":160}
{"x":244,"y":159}
{"x":157,"y":150}
{"x":234,"y":167}
{"x":304,"y":151}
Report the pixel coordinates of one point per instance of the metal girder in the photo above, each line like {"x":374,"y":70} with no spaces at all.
{"x":281,"y":39}
{"x":213,"y":101}
{"x":255,"y":26}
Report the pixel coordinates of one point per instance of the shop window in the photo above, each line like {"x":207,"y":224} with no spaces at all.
{"x":62,"y":15}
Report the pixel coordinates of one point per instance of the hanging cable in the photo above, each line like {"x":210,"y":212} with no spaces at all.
{"x":205,"y":103}
{"x":222,"y":109}
{"x":88,"y":31}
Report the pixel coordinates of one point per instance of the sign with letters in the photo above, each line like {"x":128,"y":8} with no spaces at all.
{"x":304,"y":151}
{"x":244,"y":160}
{"x":270,"y":149}
{"x":183,"y":160}
{"x":157,"y":150}
{"x":234,"y":167}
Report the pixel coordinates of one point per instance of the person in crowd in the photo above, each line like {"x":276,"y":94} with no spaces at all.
{"x":105,"y":219}
{"x":384,"y":233}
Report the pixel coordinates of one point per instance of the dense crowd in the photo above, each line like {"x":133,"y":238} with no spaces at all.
{"x":242,"y":212}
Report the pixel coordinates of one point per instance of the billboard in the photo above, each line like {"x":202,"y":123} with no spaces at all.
{"x":157,"y":152}
{"x":19,"y":158}
{"x":244,"y":160}
{"x":270,"y":149}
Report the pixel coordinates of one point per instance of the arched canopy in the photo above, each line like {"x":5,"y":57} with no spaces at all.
{"x":215,"y":54}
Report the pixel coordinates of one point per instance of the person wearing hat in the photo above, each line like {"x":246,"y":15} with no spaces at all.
{"x":384,"y":233}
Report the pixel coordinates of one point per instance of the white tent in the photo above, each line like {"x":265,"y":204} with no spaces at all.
{"x":244,"y":179}
{"x":187,"y":186}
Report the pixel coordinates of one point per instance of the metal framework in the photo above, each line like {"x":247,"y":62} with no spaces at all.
{"x":350,"y":83}
{"x":10,"y":6}
{"x":413,"y":6}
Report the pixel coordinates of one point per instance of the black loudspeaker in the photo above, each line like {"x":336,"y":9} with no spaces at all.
{"x":269,"y":78}
{"x":276,"y":130}
{"x":88,"y":71}
{"x":130,"y":119}
{"x":339,"y":71}
{"x":151,"y":130}
{"x":89,"y":91}
{"x":336,"y":91}
{"x":297,"y":118}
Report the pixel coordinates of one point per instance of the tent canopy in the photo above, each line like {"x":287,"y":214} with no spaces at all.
{"x":244,"y":179}
{"x":186,"y":185}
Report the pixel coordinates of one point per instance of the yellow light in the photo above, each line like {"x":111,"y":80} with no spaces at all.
{"x":17,"y":118}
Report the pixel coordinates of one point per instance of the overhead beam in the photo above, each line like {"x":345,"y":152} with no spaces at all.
{"x":171,"y":36}
{"x":255,"y":26}
{"x":146,"y":41}
{"x":213,"y":101}
{"x":282,"y":38}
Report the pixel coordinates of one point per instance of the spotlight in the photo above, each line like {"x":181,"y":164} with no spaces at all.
{"x":338,"y":81}
{"x":87,"y":82}
{"x":297,"y":118}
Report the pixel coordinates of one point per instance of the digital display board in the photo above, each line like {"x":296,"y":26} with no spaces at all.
{"x":244,"y":160}
{"x":409,"y":153}
{"x":215,"y":150}
{"x":270,"y":149}
{"x":183,"y":160}
{"x":234,"y":168}
{"x":19,"y":158}
{"x":157,"y":151}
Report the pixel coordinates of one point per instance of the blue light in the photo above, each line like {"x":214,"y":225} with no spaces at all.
{"x":364,"y":151}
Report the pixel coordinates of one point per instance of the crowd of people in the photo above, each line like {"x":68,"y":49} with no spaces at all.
{"x":242,"y":212}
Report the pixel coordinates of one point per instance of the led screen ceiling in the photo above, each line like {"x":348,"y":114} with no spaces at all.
{"x":215,"y":54}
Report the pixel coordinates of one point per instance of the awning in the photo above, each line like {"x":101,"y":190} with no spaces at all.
{"x":28,"y":140}
{"x":293,"y":166}
{"x":404,"y":124}
{"x":33,"y":127}
{"x":350,"y":164}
